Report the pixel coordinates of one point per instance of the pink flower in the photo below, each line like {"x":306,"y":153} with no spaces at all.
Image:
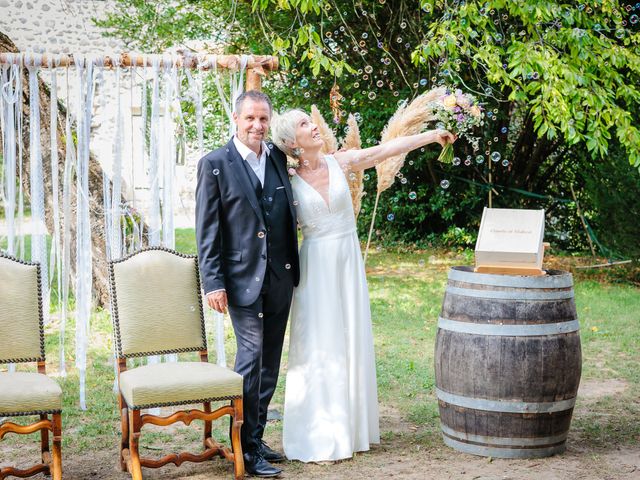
{"x":292,"y":172}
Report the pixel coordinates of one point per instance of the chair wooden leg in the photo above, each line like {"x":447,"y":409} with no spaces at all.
{"x":236,"y":423}
{"x":124,"y":441}
{"x":207,"y":424}
{"x":56,"y":465}
{"x":135,"y":424}
{"x":44,"y":440}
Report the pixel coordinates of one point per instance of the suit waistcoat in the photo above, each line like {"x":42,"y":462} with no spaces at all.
{"x":277,"y":217}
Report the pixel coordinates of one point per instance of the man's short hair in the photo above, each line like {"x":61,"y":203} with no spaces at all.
{"x":254,"y":95}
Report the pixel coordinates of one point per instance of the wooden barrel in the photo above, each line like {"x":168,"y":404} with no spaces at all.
{"x":508,"y":363}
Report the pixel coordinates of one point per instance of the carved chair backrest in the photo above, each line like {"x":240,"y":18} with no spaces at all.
{"x":156,"y":303}
{"x":21,"y":320}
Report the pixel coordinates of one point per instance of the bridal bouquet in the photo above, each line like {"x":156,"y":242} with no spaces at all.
{"x":459,"y":113}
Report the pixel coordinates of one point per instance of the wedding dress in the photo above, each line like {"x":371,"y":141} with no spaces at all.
{"x":331,"y":401}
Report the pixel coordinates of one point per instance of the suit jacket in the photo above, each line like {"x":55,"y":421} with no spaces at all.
{"x":230,"y":229}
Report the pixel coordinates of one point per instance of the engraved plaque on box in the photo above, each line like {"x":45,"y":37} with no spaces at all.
{"x":510,"y":241}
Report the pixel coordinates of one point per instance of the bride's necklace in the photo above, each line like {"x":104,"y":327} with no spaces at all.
{"x":313,"y":171}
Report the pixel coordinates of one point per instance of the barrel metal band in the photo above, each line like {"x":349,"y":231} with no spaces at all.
{"x":504,"y":441}
{"x":509,"y":330}
{"x":547,"y":281}
{"x":520,"y":294}
{"x":505,"y":405}
{"x":497,"y":452}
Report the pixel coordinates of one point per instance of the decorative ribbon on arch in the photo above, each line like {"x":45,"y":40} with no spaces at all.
{"x":85,"y":88}
{"x":160,"y":156}
{"x":38,"y":233}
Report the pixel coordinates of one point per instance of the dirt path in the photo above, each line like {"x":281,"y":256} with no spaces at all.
{"x":402,"y":459}
{"x":406,"y":452}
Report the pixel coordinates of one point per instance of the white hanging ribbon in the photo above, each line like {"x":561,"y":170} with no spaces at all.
{"x":55,"y":265}
{"x":168,"y":155}
{"x":66,"y":235}
{"x":38,"y":234}
{"x":20,"y":157}
{"x":69,"y":162}
{"x":10,"y":112}
{"x":172,"y":115}
{"x":154,"y":183}
{"x":116,"y":194}
{"x":138,"y":224}
{"x":83,"y":231}
{"x":10,"y":75}
{"x":154,"y":154}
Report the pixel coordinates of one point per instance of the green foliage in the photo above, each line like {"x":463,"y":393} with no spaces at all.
{"x":158,"y":25}
{"x":558,"y":81}
{"x":608,"y":188}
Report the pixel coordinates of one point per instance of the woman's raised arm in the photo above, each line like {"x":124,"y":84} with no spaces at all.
{"x":356,"y":160}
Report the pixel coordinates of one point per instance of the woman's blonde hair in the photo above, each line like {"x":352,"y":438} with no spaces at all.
{"x":283,"y":130}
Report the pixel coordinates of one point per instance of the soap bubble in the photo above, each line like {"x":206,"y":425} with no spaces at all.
{"x":505,"y":163}
{"x":391,"y":217}
{"x":304,"y":83}
{"x":445,"y":184}
{"x":495,"y":156}
{"x":456,"y":161}
{"x":480,"y":159}
{"x":413,"y":195}
{"x":216,"y":171}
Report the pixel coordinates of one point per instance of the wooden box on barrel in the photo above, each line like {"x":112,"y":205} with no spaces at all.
{"x":510,"y":241}
{"x":508,"y":363}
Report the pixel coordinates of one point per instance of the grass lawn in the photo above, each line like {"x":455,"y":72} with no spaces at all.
{"x":406,"y":293}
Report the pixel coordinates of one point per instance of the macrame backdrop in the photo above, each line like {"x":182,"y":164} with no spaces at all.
{"x":122,"y":222}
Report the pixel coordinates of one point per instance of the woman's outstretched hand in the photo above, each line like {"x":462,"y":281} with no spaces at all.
{"x":443,"y":137}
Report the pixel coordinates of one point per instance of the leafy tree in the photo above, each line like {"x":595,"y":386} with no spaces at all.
{"x":558,"y":80}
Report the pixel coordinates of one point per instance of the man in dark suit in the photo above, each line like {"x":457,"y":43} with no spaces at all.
{"x":248,"y":253}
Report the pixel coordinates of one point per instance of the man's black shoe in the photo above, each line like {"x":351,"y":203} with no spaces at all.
{"x":256,"y":465}
{"x":269,"y":454}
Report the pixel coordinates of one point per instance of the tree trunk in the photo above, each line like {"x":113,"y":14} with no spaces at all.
{"x":96,"y":206}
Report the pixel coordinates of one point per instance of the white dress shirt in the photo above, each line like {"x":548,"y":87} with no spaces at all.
{"x":257,"y":164}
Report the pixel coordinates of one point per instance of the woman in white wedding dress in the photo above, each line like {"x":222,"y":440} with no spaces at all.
{"x":331,"y":400}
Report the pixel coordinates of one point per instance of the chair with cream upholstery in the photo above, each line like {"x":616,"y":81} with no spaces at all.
{"x":22,"y":341}
{"x":156,"y":307}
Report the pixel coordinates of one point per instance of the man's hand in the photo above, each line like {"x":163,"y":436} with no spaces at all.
{"x":218,"y":301}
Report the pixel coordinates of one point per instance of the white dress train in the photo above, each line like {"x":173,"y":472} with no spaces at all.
{"x":331,"y":400}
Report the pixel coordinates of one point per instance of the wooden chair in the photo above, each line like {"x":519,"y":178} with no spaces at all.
{"x":156,"y":307}
{"x":22,"y":341}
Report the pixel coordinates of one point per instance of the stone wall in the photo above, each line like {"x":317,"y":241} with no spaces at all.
{"x":66,"y":26}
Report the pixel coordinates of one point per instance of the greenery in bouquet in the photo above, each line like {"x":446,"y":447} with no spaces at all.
{"x":459,"y":113}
